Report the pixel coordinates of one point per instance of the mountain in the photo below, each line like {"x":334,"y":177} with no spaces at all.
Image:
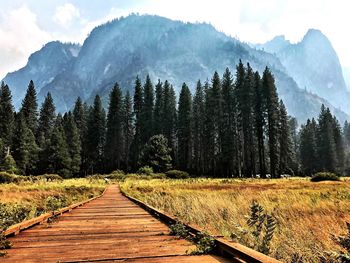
{"x":42,"y":67}
{"x":314,"y":65}
{"x":346,"y":73}
{"x":139,"y":45}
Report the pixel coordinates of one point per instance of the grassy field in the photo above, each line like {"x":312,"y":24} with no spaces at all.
{"x":307,"y":213}
{"x":29,"y":199}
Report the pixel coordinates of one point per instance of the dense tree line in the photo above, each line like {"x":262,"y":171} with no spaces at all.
{"x":232,"y":126}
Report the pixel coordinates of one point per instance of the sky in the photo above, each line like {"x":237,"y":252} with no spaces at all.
{"x":26,"y":25}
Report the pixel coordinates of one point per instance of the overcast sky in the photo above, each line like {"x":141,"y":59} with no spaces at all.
{"x":26,"y":25}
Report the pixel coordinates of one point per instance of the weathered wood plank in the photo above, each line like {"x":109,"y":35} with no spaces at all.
{"x":108,"y":229}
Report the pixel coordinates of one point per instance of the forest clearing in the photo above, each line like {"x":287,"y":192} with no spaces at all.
{"x":307,"y":214}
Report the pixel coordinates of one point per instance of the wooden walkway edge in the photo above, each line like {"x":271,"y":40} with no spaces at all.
{"x":110,"y":228}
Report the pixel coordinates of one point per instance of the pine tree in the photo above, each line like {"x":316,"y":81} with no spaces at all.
{"x":158,"y":109}
{"x":30,"y":108}
{"x":46,"y":123}
{"x":128,"y":128}
{"x":184,"y":129}
{"x":260,"y":123}
{"x":170,"y":118}
{"x":293,"y":125}
{"x":6,"y":115}
{"x":285,"y":142}
{"x":95,"y":141}
{"x":346,"y":132}
{"x":156,"y":153}
{"x":135,"y":148}
{"x":326,"y":144}
{"x":147,"y":120}
{"x":73,"y":142}
{"x":114,"y":137}
{"x":8,"y":164}
{"x":245,"y":97}
{"x":339,"y":146}
{"x":239,"y":91}
{"x":228,"y":129}
{"x":272,"y":111}
{"x":58,"y":158}
{"x":80,"y":115}
{"x":46,"y":120}
{"x":25,"y":149}
{"x":198,"y":129}
{"x":308,"y":147}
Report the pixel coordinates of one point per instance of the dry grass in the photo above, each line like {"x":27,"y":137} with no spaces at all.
{"x":307,"y":213}
{"x":26,"y":200}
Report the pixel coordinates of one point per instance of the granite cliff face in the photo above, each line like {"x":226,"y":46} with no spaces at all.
{"x":314,"y":65}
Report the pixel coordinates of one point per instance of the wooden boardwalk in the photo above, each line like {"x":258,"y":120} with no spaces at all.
{"x":108,"y":229}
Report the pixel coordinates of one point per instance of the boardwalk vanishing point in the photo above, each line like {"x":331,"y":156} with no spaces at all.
{"x":108,"y":229}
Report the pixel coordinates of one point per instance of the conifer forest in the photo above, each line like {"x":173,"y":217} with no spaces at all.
{"x":233,"y":125}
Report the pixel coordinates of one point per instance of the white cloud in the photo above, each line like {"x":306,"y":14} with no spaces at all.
{"x":20,"y":36}
{"x":65,"y":14}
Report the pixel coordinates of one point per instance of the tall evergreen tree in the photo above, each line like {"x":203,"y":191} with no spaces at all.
{"x":25,"y":149}
{"x":128,"y":128}
{"x":198,"y":129}
{"x":114,"y":137}
{"x":272,"y":111}
{"x":135,"y":148}
{"x":308,"y":147}
{"x":80,"y":115}
{"x":245,"y":97}
{"x":293,"y":125}
{"x":326,"y":144}
{"x":58,"y":157}
{"x":147,"y":111}
{"x":260,"y":123}
{"x":30,"y":108}
{"x":184,"y":128}
{"x":6,"y":115}
{"x":73,"y":143}
{"x":285,"y":141}
{"x":46,"y":120}
{"x":169,"y":117}
{"x":228,"y":121}
{"x":339,"y":146}
{"x":158,"y":109}
{"x":96,"y":135}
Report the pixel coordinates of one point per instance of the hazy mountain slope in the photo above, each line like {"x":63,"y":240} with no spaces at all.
{"x":180,"y":52}
{"x":346,"y":73}
{"x":42,"y":67}
{"x":314,"y":65}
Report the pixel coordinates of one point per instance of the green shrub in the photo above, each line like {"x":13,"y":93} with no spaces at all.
{"x":176,"y":174}
{"x":204,"y":244}
{"x":324,"y":176}
{"x":11,"y":214}
{"x":145,"y":170}
{"x":95,"y":177}
{"x":54,"y":203}
{"x":48,"y":177}
{"x":116,"y":175}
{"x":6,"y":178}
{"x":179,"y":230}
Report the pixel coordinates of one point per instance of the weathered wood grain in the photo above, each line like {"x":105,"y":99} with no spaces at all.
{"x":108,"y":229}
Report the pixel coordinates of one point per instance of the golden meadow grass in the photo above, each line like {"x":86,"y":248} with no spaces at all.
{"x":307,"y":213}
{"x":27,"y":199}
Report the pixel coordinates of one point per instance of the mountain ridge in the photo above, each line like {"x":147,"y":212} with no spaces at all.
{"x":180,"y":52}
